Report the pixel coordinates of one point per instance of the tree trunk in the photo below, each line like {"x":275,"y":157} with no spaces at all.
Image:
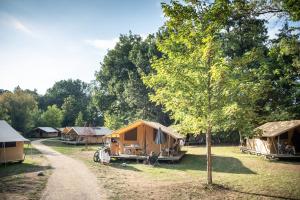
{"x":241,"y":138}
{"x":209,"y":163}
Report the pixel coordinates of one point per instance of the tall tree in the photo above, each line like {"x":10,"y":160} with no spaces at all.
{"x":193,"y":79}
{"x":52,"y":117}
{"x":70,"y":110}
{"x":79,"y":120}
{"x":72,"y":96}
{"x":121,"y":94}
{"x":19,"y":107}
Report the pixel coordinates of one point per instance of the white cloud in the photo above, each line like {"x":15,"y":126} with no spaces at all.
{"x":15,"y":23}
{"x":18,"y":25}
{"x":102,"y":44}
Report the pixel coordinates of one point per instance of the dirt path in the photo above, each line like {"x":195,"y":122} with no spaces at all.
{"x":70,"y":179}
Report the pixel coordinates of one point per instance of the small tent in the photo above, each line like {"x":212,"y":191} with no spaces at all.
{"x":11,"y":144}
{"x":44,"y":132}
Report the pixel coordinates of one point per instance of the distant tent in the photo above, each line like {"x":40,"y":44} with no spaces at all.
{"x":44,"y":132}
{"x":84,"y":135}
{"x":11,"y":144}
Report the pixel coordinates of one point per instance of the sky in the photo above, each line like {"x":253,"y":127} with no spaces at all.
{"x":42,"y":42}
{"x":45,"y":41}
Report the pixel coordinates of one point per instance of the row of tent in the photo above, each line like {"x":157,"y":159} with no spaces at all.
{"x":270,"y":138}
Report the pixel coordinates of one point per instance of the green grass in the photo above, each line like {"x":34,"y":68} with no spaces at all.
{"x":20,"y":179}
{"x":68,"y":149}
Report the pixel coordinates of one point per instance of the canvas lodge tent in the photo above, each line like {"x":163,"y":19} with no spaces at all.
{"x":84,"y":135}
{"x":11,"y":144}
{"x":44,"y":132}
{"x":275,"y":139}
{"x":137,"y":140}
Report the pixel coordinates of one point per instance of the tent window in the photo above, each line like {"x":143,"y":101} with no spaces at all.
{"x":7,"y":144}
{"x":131,"y":135}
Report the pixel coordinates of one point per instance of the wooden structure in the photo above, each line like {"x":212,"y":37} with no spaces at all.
{"x":137,"y":141}
{"x":84,"y":135}
{"x":11,"y":144}
{"x":274,"y":138}
{"x":44,"y":132}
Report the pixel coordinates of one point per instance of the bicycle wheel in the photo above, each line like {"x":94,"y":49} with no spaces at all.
{"x":96,"y":156}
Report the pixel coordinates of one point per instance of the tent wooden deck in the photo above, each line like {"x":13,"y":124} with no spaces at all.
{"x":160,"y":158}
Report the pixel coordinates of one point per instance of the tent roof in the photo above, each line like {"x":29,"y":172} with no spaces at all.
{"x":272,"y":129}
{"x":100,"y":131}
{"x":155,"y":125}
{"x":47,"y":129}
{"x":8,"y":134}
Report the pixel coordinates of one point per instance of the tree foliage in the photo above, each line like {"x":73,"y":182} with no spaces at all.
{"x":52,"y":117}
{"x":121,"y":94}
{"x":18,"y":108}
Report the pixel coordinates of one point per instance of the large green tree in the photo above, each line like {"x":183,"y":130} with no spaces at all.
{"x":121,"y":94}
{"x":52,"y":117}
{"x":72,"y":96}
{"x":193,"y":78}
{"x":18,"y":108}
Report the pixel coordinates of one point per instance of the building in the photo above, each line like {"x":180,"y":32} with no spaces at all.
{"x":275,"y":139}
{"x":140,"y":139}
{"x":11,"y":144}
{"x":84,"y":135}
{"x":44,"y":132}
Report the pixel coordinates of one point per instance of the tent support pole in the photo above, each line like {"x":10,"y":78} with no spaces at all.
{"x":278,"y":143}
{"x":169,"y":146}
{"x":4,"y":155}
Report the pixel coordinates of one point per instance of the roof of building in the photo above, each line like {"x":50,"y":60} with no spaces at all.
{"x":47,"y":129}
{"x":9,"y":134}
{"x":98,"y":131}
{"x":155,"y":125}
{"x":272,"y":129}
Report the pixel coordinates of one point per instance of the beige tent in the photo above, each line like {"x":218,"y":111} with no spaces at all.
{"x":11,"y":144}
{"x":84,"y":135}
{"x":271,"y":139}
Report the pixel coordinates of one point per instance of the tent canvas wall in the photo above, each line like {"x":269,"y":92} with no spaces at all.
{"x":11,"y":144}
{"x":270,"y":136}
{"x":139,"y":139}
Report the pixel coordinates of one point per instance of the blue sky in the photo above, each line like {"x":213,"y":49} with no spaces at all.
{"x":44,"y":41}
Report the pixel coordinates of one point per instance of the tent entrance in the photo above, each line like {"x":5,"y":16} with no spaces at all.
{"x":296,"y":140}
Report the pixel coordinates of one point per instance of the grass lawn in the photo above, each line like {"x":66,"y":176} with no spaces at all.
{"x":236,"y":175}
{"x":20,"y":180}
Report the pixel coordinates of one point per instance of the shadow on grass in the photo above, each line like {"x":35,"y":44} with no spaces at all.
{"x":220,"y":164}
{"x":118,"y":164}
{"x":197,"y":163}
{"x":20,"y":168}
